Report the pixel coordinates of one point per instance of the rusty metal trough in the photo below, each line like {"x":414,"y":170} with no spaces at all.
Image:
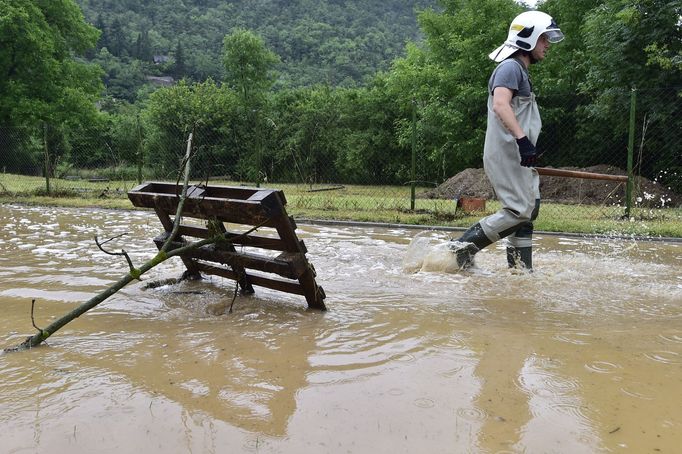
{"x":239,"y":256}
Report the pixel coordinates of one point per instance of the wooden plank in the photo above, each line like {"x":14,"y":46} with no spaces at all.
{"x":225,"y":192}
{"x":166,"y":221}
{"x":261,"y":281}
{"x":196,"y":192}
{"x":291,"y":266}
{"x":251,"y":240}
{"x":250,"y":207}
{"x":286,"y":228}
{"x":239,"y":212}
{"x":213,"y":191}
{"x":314,"y":295}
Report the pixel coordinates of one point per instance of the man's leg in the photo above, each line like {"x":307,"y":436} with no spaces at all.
{"x":520,"y":247}
{"x":466,"y":246}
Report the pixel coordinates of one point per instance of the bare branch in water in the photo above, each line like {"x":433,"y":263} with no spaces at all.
{"x":123,"y":251}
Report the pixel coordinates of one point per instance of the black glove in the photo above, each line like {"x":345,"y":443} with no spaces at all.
{"x":529,"y":155}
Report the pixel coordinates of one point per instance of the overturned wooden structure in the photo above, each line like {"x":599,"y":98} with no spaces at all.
{"x":240,"y":256}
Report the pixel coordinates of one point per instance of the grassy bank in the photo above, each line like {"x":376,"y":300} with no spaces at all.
{"x":387,"y":204}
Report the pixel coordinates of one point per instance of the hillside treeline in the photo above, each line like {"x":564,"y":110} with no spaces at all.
{"x":339,"y":43}
{"x":432,"y":99}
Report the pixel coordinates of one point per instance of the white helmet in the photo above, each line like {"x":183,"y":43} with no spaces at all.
{"x":524,"y":32}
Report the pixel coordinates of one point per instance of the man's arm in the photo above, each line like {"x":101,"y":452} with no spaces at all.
{"x":502,"y":97}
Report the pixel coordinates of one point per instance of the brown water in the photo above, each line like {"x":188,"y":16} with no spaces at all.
{"x":585,"y":355}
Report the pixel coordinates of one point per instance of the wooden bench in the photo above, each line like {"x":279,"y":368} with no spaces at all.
{"x":236,"y":255}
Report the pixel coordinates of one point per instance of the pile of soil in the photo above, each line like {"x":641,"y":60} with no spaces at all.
{"x":474,"y":183}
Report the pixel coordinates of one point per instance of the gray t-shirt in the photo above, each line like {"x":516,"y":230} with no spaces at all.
{"x":511,"y":74}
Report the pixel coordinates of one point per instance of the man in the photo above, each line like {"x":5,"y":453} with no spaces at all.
{"x":509,"y":153}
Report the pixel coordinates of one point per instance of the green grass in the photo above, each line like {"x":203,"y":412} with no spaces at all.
{"x":386,"y":204}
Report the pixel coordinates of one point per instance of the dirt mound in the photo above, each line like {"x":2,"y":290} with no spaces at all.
{"x":474,"y":183}
{"x":469,"y":182}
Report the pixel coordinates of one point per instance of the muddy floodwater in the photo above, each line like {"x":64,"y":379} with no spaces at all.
{"x":582,"y":356}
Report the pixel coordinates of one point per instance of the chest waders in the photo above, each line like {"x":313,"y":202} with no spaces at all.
{"x":517,"y":188}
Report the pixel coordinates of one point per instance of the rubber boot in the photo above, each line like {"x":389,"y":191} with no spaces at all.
{"x":466,"y":246}
{"x":520,"y":257}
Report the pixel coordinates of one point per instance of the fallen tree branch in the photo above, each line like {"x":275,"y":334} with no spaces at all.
{"x":42,"y":335}
{"x":134,"y":273}
{"x":33,"y":320}
{"x":123,"y":251}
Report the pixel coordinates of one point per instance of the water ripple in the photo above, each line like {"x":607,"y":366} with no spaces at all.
{"x":672,"y":338}
{"x":602,"y":367}
{"x":665,"y":357}
{"x":638,"y":390}
{"x":472,"y":414}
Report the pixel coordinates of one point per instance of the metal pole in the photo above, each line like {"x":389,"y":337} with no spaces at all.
{"x":258,"y":145}
{"x":413,"y":176}
{"x":140,"y":151}
{"x":631,"y":151}
{"x":47,"y":159}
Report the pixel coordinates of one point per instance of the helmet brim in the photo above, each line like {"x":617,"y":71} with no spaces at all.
{"x":554,"y":36}
{"x":502,"y":53}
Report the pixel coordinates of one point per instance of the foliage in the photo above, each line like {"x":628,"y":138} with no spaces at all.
{"x":40,"y":76}
{"x":206,"y":109}
{"x":447,"y":81}
{"x":264,"y":117}
{"x":248,"y":64}
{"x":646,"y":34}
{"x":332,"y":42}
{"x":311,"y":136}
{"x":43,"y":79}
{"x":249,"y":72}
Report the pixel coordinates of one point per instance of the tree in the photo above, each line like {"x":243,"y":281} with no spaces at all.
{"x":640,"y":33}
{"x":248,"y":64}
{"x":41,"y":77}
{"x":179,"y":67}
{"x":249,"y":69}
{"x":631,"y":44}
{"x":211,"y":108}
{"x":103,"y":40}
{"x":314,"y":133}
{"x":143,"y":50}
{"x":447,"y":79}
{"x":118,"y":44}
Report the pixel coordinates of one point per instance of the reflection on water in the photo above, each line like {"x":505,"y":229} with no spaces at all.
{"x":584,"y":355}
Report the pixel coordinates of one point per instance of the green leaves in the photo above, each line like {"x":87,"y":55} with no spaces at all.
{"x":447,"y":79}
{"x":41,"y":77}
{"x":248,"y":62}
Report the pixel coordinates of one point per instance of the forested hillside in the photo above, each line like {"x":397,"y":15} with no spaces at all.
{"x":336,"y":42}
{"x":249,"y":92}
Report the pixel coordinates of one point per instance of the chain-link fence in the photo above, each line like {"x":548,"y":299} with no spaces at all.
{"x":341,"y":175}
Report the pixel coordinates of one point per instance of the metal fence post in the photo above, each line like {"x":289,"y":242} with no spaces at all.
{"x":413,"y":174}
{"x":140,"y":151}
{"x":47,"y":159}
{"x":631,"y":152}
